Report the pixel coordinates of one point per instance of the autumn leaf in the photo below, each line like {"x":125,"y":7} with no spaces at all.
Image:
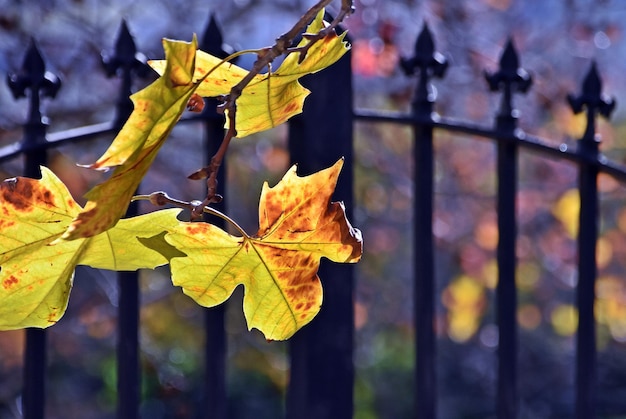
{"x":270,"y":99}
{"x":157,"y":109}
{"x":36,"y":275}
{"x":278,"y":266}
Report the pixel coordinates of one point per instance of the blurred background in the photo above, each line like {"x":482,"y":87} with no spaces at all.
{"x":557,"y":42}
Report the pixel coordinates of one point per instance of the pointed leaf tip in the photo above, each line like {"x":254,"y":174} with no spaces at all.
{"x":157,"y":109}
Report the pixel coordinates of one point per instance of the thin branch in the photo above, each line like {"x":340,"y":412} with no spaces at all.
{"x":226,"y":218}
{"x":161,"y":198}
{"x":265,"y":57}
{"x":283,"y":44}
{"x":346,"y":9}
{"x":212,"y":169}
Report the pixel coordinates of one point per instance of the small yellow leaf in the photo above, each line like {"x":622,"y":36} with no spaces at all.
{"x":270,"y":99}
{"x":36,"y":269}
{"x":278,"y":267}
{"x":157,"y":109}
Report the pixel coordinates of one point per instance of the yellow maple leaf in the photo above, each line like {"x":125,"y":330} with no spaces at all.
{"x":157,"y":108}
{"x":35,"y":274}
{"x":272,"y":98}
{"x":278,"y":266}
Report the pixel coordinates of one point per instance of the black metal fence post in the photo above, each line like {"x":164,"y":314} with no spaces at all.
{"x":588,"y":147}
{"x":509,"y":78}
{"x":215,"y":399}
{"x":322,"y":369}
{"x":34,"y":78}
{"x":429,"y":63}
{"x":126,"y":62}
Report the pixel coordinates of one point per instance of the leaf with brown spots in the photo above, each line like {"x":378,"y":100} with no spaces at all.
{"x":157,"y":109}
{"x":36,"y":269}
{"x":278,"y":266}
{"x":270,"y":99}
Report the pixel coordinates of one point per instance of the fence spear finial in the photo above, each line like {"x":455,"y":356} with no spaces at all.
{"x":594,"y":101}
{"x":509,"y":78}
{"x":212,"y":40}
{"x":591,"y":95}
{"x":509,"y":72}
{"x":426,"y":59}
{"x":125,"y":56}
{"x":429,"y":63}
{"x":125,"y":61}
{"x":34,"y":77}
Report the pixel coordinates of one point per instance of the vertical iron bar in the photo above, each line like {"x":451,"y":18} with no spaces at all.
{"x":509,"y":78}
{"x":215,"y":363}
{"x":128,"y":369}
{"x":34,"y":396}
{"x":214,"y":317}
{"x":322,"y":369}
{"x":585,"y":292}
{"x":506,"y":292}
{"x":424,"y":265}
{"x":424,"y":271}
{"x":586,"y":337}
{"x":34,"y":78}
{"x":126,"y":62}
{"x":592,"y":99}
{"x":215,"y":398}
{"x":428,"y":63}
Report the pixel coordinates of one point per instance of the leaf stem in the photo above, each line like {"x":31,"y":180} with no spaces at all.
{"x":213,"y":211}
{"x":228,"y":59}
{"x":161,"y":198}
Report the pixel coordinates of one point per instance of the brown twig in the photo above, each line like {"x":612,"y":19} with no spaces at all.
{"x":212,"y":196}
{"x":264,"y":59}
{"x":346,"y":10}
{"x":161,"y":198}
{"x":283,"y":43}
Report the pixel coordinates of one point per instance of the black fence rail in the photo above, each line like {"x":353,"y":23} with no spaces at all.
{"x":321,"y":355}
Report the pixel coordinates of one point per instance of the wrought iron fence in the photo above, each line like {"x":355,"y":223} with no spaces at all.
{"x":321,"y":355}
